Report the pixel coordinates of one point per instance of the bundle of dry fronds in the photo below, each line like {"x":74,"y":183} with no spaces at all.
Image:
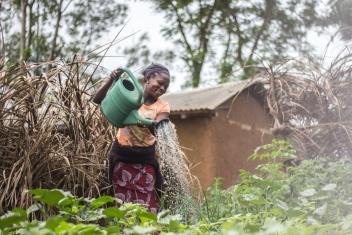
{"x":312,"y":107}
{"x":51,"y":134}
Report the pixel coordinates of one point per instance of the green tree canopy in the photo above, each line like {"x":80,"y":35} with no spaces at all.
{"x":40,"y":30}
{"x":234,"y":37}
{"x":340,"y":15}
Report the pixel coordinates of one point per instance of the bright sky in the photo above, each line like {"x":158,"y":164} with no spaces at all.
{"x":143,"y":18}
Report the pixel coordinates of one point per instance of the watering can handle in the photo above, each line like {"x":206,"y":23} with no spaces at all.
{"x":134,"y":80}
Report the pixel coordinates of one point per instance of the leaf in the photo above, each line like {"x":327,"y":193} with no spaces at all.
{"x":347,"y":223}
{"x":33,"y":208}
{"x":91,"y":215}
{"x":168,"y":219}
{"x":147,"y":216}
{"x":347,"y":203}
{"x":64,"y":227}
{"x":282,"y":205}
{"x":113,"y":230}
{"x":15,"y":216}
{"x":252,"y":227}
{"x":144,"y":230}
{"x":308,"y":192}
{"x":175,"y":226}
{"x":50,"y":197}
{"x":321,"y":210}
{"x":311,"y":220}
{"x":294,"y":212}
{"x":100,"y":201}
{"x":162,"y":214}
{"x":53,"y":222}
{"x":68,"y":202}
{"x":90,"y":229}
{"x":272,"y":226}
{"x":249,"y":197}
{"x":329,"y":187}
{"x":113,"y":212}
{"x":255,"y":177}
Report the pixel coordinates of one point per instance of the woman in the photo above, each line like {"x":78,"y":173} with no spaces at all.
{"x":133,"y":167}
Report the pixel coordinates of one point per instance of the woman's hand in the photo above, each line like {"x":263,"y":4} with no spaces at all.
{"x":101,"y":93}
{"x":115,"y":75}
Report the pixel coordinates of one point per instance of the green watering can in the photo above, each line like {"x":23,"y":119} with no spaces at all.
{"x":121,"y":103}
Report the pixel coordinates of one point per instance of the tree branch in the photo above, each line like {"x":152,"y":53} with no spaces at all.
{"x":267,"y":18}
{"x":240,"y":41}
{"x":224,"y":66}
{"x":190,"y":15}
{"x":23,"y":28}
{"x":30,"y":24}
{"x":204,"y":29}
{"x":57,"y":26}
{"x":182,"y":31}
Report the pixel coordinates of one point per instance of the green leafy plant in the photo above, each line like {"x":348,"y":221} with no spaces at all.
{"x":313,"y":197}
{"x":64,"y":213}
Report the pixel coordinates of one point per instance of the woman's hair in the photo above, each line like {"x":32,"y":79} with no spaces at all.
{"x":153,"y":69}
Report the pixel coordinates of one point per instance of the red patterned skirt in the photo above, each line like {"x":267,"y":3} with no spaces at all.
{"x":135,"y":183}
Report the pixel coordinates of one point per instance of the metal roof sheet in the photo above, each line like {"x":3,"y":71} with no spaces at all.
{"x":204,"y":98}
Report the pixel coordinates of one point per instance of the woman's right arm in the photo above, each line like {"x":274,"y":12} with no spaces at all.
{"x":101,"y":93}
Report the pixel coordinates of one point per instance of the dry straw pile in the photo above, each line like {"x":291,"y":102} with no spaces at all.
{"x":51,"y":134}
{"x":312,"y":107}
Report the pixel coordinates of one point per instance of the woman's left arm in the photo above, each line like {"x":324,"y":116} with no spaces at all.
{"x":162,"y":116}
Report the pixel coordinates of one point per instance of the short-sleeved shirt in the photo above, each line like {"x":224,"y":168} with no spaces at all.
{"x":141,"y":136}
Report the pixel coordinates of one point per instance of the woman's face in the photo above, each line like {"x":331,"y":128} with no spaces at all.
{"x":157,"y":85}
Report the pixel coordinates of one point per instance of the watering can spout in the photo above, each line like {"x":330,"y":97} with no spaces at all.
{"x":135,"y":118}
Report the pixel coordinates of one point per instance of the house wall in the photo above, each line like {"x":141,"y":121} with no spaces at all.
{"x":236,"y":132}
{"x":219,"y":146}
{"x":196,"y":141}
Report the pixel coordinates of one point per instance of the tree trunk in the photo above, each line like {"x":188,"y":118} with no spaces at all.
{"x":23,"y":29}
{"x":202,"y":51}
{"x":226,"y":68}
{"x":269,"y":5}
{"x":197,"y":69}
{"x":56,"y":33}
{"x":37,"y":32}
{"x":30,"y":25}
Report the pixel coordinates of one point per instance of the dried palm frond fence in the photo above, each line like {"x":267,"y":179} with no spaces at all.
{"x":312,"y":107}
{"x":51,"y":134}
